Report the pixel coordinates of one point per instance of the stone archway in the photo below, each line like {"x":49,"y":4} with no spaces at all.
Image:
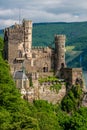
{"x":45,"y":67}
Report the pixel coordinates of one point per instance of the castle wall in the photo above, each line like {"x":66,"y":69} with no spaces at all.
{"x":51,"y":96}
{"x":76,"y":74}
{"x":42,"y":59}
{"x":43,"y":92}
{"x":72,"y":75}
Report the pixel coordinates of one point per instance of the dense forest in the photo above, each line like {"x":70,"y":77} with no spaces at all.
{"x":18,"y":114}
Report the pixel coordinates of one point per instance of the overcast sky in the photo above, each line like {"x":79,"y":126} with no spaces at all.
{"x":12,"y":11}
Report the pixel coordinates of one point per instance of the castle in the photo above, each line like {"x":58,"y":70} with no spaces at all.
{"x":18,"y":50}
{"x":20,"y":54}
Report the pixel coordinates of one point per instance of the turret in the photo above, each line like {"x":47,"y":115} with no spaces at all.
{"x":27,"y":24}
{"x":59,"y":52}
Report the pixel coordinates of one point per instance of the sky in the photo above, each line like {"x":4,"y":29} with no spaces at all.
{"x":14,"y":11}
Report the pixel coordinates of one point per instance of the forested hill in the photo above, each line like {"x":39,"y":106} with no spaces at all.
{"x":76,"y":39}
{"x":76,"y":32}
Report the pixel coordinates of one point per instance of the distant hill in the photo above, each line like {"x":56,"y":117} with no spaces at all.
{"x":76,"y":37}
{"x":1,"y":33}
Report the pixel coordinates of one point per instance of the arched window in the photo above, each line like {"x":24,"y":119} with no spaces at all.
{"x":20,"y":54}
{"x":62,"y":65}
{"x":45,"y":67}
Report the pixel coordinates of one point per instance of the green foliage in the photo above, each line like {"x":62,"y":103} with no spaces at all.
{"x":43,"y":105}
{"x":72,"y":100}
{"x":56,"y":87}
{"x":48,"y":79}
{"x":1,"y":46}
{"x":5,"y":119}
{"x":63,"y":119}
{"x":46,"y":116}
{"x":78,"y":120}
{"x":52,"y":117}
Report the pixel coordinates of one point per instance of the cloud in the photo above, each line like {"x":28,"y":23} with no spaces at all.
{"x":7,"y":23}
{"x":5,"y":12}
{"x":42,"y":11}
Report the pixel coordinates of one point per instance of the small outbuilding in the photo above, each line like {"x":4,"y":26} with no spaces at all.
{"x":21,"y":80}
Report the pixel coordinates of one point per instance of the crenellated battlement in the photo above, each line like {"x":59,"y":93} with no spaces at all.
{"x":60,"y":36}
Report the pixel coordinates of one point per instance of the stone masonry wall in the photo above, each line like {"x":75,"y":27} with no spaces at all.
{"x":43,"y":92}
{"x":51,"y":96}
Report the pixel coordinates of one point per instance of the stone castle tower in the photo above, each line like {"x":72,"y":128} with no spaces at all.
{"x":59,"y":52}
{"x":18,"y":50}
{"x":18,"y":44}
{"x":27,"y":36}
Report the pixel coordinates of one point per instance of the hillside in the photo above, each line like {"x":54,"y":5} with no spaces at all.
{"x":76,"y":35}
